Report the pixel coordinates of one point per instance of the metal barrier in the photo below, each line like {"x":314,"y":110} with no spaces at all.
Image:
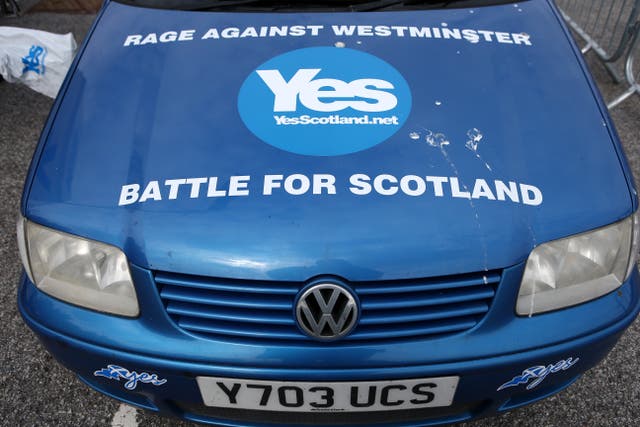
{"x":606,"y":26}
{"x":633,"y":76}
{"x":9,"y":7}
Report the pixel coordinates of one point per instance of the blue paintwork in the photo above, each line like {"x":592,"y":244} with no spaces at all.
{"x":500,"y":348}
{"x":156,"y":112}
{"x":165,"y":111}
{"x":155,"y":334}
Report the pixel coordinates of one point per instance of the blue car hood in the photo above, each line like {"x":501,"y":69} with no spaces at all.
{"x":437,"y":142}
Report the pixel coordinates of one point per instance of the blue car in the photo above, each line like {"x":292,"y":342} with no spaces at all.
{"x":365,"y":212}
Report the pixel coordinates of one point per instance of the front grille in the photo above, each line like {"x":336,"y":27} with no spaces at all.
{"x":390,"y":310}
{"x":439,"y":415}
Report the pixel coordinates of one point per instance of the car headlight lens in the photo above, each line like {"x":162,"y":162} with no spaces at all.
{"x":579,"y":268}
{"x":77,"y":270}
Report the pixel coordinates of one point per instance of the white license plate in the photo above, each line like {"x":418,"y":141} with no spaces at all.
{"x":327,"y":396}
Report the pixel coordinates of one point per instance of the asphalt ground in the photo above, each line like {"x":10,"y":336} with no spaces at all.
{"x":36,"y":391}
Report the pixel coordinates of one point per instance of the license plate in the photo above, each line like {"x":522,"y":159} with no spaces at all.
{"x":327,"y":396}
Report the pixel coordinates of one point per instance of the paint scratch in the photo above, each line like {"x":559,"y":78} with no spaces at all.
{"x":440,"y":140}
{"x":474,"y":136}
{"x":436,"y":139}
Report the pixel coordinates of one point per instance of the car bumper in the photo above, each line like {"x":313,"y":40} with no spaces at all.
{"x":84,"y":347}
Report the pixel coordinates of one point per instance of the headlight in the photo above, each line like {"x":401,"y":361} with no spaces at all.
{"x":579,"y":268}
{"x":80,"y":271}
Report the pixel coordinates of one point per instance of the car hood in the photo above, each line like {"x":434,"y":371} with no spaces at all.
{"x":491,"y":141}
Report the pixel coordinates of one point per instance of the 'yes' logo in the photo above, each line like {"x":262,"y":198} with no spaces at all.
{"x":324,"y":101}
{"x":327,"y":95}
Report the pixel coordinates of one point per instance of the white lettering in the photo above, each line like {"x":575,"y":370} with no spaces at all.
{"x":437,"y":181}
{"x":297,"y":30}
{"x":271,"y":182}
{"x":312,"y":92}
{"x":169,"y":36}
{"x":378,"y":184}
{"x":471,"y":36}
{"x":151,"y":38}
{"x":481,"y":189}
{"x":455,"y":189}
{"x":365,"y":30}
{"x":449,"y":33}
{"x":360,"y":184}
{"x":133,"y":39}
{"x":195,"y":186}
{"x":297,"y":184}
{"x":212,"y":190}
{"x":422,"y":32}
{"x":343,"y":30}
{"x":129,"y":194}
{"x":286,"y":93}
{"x":521,"y":38}
{"x":399,"y":30}
{"x":249,"y":32}
{"x":382,"y":31}
{"x":315,"y":29}
{"x":212,"y":33}
{"x":531,"y":195}
{"x":238,"y":185}
{"x":174,"y":185}
{"x":324,"y":182}
{"x":230,"y":33}
{"x":503,"y":38}
{"x":152,"y":191}
{"x":419,"y":184}
{"x":186,"y":35}
{"x":502,"y":191}
{"x":486,"y":34}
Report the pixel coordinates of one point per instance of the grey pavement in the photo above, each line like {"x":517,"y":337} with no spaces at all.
{"x":36,"y":390}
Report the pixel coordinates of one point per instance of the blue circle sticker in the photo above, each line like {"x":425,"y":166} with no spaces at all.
{"x":324,"y":101}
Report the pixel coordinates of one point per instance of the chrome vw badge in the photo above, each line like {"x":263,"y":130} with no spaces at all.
{"x":327,"y":311}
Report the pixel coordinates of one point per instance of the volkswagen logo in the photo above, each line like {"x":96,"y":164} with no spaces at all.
{"x":327,"y":311}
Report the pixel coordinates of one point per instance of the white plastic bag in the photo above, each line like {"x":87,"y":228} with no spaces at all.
{"x":36,"y":58}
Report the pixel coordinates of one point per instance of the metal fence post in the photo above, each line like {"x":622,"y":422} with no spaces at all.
{"x":9,"y":7}
{"x":633,"y":77}
{"x":606,"y":26}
